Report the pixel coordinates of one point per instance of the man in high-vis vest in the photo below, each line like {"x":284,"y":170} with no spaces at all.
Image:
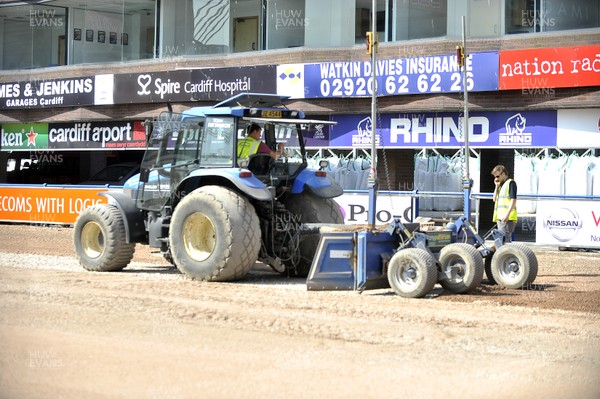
{"x":251,"y":144}
{"x":505,"y":202}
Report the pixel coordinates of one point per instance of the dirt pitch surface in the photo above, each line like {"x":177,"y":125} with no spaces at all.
{"x":150,"y":332}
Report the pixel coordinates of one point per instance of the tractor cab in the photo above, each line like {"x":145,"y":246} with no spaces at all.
{"x":203,"y":141}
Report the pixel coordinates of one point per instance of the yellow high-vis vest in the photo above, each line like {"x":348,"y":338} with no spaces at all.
{"x":248,"y":146}
{"x":503,"y":202}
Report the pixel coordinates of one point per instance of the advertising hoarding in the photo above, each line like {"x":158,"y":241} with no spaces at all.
{"x":47,"y":205}
{"x":355,"y":207}
{"x":427,"y":130}
{"x":73,"y":136}
{"x":549,"y":67}
{"x":51,"y":93}
{"x":567,"y":223}
{"x":208,"y":84}
{"x":398,"y":76}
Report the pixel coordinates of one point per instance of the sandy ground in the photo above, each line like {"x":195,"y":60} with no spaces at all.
{"x":150,"y":332}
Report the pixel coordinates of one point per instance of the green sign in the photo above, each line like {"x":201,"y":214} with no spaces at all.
{"x":24,"y":137}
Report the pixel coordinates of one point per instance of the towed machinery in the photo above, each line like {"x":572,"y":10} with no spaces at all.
{"x":412,"y":261}
{"x":212,"y":214}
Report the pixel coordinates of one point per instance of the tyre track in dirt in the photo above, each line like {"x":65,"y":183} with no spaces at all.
{"x":289,"y":309}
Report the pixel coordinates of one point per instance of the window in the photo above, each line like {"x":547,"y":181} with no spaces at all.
{"x":484,"y":19}
{"x":218,"y":142}
{"x":34,"y":36}
{"x":39,"y":36}
{"x":172,"y":150}
{"x":363,"y":20}
{"x":109,"y":32}
{"x":419,"y":19}
{"x":287,"y":23}
{"x":197,"y":27}
{"x":529,"y":16}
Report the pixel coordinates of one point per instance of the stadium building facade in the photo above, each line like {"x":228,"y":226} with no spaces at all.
{"x":79,"y":77}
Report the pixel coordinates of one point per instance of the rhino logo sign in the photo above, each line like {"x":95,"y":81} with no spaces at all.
{"x":515,"y":124}
{"x":515,"y":132}
{"x":364,"y":130}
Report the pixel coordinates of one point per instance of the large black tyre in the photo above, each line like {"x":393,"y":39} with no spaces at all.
{"x":99,"y":239}
{"x":214,"y":235}
{"x":412,"y":272}
{"x":514,"y":265}
{"x":311,"y":209}
{"x":469,"y":267}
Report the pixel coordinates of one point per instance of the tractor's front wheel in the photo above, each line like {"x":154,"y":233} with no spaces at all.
{"x":462,"y":267}
{"x":99,"y":239}
{"x":214,"y":235}
{"x":412,"y":272}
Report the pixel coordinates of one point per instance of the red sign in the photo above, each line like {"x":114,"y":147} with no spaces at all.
{"x":549,"y":68}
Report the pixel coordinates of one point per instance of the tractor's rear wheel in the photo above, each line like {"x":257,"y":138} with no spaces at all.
{"x":99,"y":239}
{"x":311,"y":209}
{"x":462,"y":266}
{"x":214,"y":235}
{"x":412,"y":272}
{"x":514,"y":265}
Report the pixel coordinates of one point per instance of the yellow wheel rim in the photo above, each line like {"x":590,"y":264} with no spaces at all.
{"x":199,"y":236}
{"x":92,"y":240}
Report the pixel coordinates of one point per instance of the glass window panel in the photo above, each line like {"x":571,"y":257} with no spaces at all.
{"x":113,"y":32}
{"x":420,"y":19}
{"x":520,"y":16}
{"x":210,"y":27}
{"x":32,"y":37}
{"x":564,"y":15}
{"x":362,"y":20}
{"x":484,"y":19}
{"x":217,"y":143}
{"x":286,"y":23}
{"x":327,"y":23}
{"x":529,"y":16}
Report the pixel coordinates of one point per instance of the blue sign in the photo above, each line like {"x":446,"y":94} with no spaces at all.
{"x":415,"y":75}
{"x":510,"y":129}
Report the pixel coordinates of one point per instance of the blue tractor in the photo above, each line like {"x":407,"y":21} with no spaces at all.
{"x":212,"y":214}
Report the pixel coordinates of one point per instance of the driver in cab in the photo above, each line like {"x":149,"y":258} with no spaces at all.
{"x":251,"y":144}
